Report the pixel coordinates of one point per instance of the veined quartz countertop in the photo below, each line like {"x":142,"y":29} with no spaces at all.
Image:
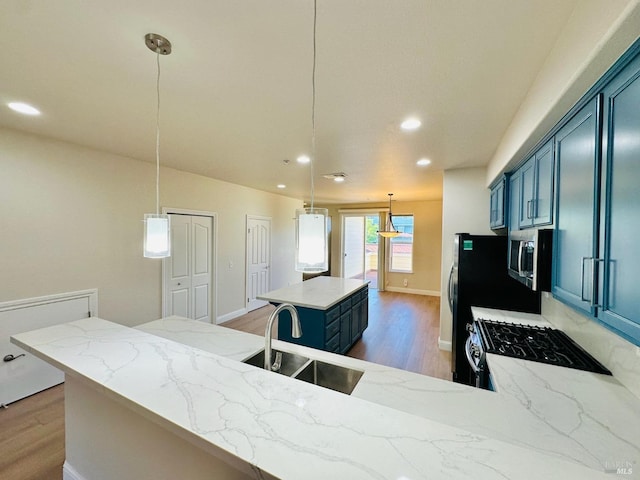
{"x":597,"y":429}
{"x":320,"y":293}
{"x":265,"y":423}
{"x":586,"y":416}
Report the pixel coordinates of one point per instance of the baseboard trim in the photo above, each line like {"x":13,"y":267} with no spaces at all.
{"x":231,"y":315}
{"x":69,"y":473}
{"x":415,"y":291}
{"x":444,"y":344}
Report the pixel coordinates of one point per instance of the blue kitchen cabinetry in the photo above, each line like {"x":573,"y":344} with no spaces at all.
{"x":618,"y":262}
{"x":596,"y":260}
{"x":335,"y":329}
{"x":536,"y":189}
{"x":497,"y":217}
{"x":574,"y":248}
{"x":514,"y":200}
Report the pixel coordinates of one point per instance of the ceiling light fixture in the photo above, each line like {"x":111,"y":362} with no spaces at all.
{"x":311,"y":223}
{"x":303,"y":159}
{"x":281,"y":186}
{"x":157,"y":226}
{"x":410,"y":124}
{"x":390,"y":231}
{"x":23,"y":108}
{"x":423,"y":162}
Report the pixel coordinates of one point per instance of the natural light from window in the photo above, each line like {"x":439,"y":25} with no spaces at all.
{"x":401,"y":254}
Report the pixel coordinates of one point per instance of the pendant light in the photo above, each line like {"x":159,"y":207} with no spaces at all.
{"x":311,"y":223}
{"x":157,"y":226}
{"x":390,"y":230}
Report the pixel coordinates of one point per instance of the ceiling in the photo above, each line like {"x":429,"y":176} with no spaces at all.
{"x":236,"y":91}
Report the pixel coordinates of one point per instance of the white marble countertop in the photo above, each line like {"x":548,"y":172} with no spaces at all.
{"x":543,"y":423}
{"x":589,"y":417}
{"x":320,"y":292}
{"x":267,"y":424}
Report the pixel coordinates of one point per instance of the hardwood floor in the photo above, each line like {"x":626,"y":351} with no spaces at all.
{"x":32,"y":437}
{"x":402,"y":333}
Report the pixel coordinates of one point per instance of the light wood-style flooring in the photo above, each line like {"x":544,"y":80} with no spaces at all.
{"x":32,"y":437}
{"x":402,"y":333}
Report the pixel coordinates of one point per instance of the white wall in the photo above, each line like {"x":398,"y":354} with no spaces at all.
{"x":596,"y":35}
{"x":465,"y":208}
{"x":72,"y":220}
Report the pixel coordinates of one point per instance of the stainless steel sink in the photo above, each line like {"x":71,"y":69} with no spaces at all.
{"x":289,"y":363}
{"x":340,"y":379}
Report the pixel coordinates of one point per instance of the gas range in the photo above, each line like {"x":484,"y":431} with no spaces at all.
{"x":535,"y":343}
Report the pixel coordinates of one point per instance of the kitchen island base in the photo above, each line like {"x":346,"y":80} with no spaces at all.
{"x":335,"y":330}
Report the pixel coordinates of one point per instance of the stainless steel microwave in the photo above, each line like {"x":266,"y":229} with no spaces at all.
{"x":530,"y":257}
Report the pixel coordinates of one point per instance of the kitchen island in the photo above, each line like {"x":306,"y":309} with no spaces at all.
{"x":171,"y":396}
{"x":333,"y":312}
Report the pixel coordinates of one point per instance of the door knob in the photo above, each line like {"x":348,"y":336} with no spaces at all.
{"x":11,"y":357}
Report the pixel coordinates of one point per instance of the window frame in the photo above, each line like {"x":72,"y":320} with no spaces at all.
{"x":390,"y":249}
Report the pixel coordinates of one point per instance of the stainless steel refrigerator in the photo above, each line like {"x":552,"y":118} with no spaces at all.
{"x":479,"y":277}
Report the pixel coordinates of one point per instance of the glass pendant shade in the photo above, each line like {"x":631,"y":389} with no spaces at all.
{"x":157,"y":238}
{"x":311,"y":240}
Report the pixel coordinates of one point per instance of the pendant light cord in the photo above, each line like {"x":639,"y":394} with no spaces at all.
{"x":313,"y":102}
{"x":158,"y":136}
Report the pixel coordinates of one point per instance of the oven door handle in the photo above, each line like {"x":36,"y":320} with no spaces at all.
{"x":467,"y":351}
{"x":520,"y":255}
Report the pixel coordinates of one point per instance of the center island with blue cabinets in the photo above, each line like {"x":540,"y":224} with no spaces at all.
{"x":333,"y":312}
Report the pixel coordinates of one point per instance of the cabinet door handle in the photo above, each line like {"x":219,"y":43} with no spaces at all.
{"x":529,"y":209}
{"x":582,"y":297}
{"x":592,"y":296}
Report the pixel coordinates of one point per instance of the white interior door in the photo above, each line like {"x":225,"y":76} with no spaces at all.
{"x":188,"y":271}
{"x":258,"y":260}
{"x":201,"y":228}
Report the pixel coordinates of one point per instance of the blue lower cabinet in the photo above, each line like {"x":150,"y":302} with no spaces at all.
{"x":345,"y":332}
{"x":334,"y":330}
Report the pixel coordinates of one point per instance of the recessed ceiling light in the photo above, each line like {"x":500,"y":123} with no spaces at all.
{"x":23,"y":108}
{"x":303,"y":159}
{"x":338,"y":179}
{"x":410,"y":124}
{"x":423,"y":162}
{"x":281,"y":185}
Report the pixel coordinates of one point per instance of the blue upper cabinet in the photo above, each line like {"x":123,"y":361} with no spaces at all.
{"x":514,"y":200}
{"x":619,"y":260}
{"x":536,"y":189}
{"x":574,"y":249}
{"x":497,"y":219}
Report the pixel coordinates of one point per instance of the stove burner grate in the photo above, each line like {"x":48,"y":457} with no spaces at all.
{"x":535,"y":343}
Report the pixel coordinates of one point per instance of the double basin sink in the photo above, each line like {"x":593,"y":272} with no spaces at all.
{"x":323,"y":374}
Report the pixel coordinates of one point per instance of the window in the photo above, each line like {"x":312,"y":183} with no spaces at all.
{"x":401,"y":252}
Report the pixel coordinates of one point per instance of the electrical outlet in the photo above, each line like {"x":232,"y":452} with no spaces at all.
{"x":405,"y":282}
